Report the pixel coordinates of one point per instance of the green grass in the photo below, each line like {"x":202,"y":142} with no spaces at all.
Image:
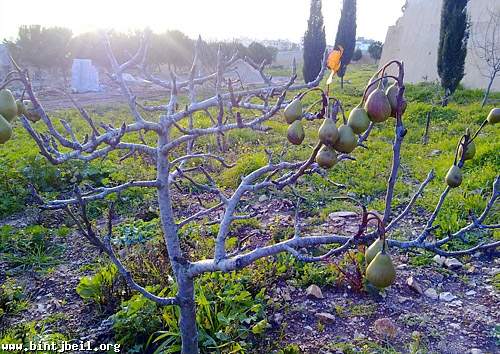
{"x":31,"y":248}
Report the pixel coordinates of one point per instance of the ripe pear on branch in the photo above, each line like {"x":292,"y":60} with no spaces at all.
{"x":30,"y":112}
{"x":293,"y":111}
{"x":358,"y":120}
{"x":327,"y":157}
{"x":377,"y":106}
{"x":295,"y":133}
{"x":454,"y":176}
{"x":8,"y":106}
{"x":381,"y":272}
{"x":347,"y":141}
{"x":494,"y":116}
{"x":5,"y":130}
{"x":21,"y":108}
{"x":328,"y":132}
{"x":470,"y":151}
{"x":374,"y":249}
{"x":392,"y":95}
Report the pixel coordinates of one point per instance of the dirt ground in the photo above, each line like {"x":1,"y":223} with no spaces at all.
{"x":458,"y":318}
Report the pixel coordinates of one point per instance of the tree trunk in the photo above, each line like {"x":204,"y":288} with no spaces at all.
{"x":425,"y":139}
{"x":487,"y":92}
{"x":185,"y":295}
{"x":446,"y":98}
{"x":187,"y":325}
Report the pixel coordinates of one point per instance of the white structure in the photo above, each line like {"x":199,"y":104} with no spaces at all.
{"x":415,"y":40}
{"x":241,"y":70}
{"x":84,"y":76}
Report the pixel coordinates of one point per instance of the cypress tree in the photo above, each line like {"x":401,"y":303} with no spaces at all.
{"x":346,"y":35}
{"x":314,"y":42}
{"x":452,"y":45}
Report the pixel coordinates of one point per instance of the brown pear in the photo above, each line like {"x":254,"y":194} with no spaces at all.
{"x":5,"y":130}
{"x":295,"y":133}
{"x":381,"y":272}
{"x":347,"y":141}
{"x":454,"y":177}
{"x":8,"y":107}
{"x":327,"y":157}
{"x":374,"y":249}
{"x":328,"y":132}
{"x":358,"y":120}
{"x":494,"y":116}
{"x":377,"y":106}
{"x":470,"y":151}
{"x":293,"y":111}
{"x":392,"y":96}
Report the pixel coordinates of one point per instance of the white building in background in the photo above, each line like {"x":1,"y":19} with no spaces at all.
{"x":84,"y":76}
{"x":363,"y":44}
{"x":415,"y":40}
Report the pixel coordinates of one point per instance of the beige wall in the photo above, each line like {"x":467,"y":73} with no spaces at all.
{"x":415,"y":38}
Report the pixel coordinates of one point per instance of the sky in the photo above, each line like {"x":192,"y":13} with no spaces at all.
{"x":213,"y":19}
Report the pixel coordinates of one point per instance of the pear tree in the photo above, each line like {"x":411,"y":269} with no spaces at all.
{"x":177,"y":156}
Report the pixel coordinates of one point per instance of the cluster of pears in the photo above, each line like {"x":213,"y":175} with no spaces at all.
{"x":380,"y":104}
{"x":380,"y":270}
{"x":341,"y":139}
{"x":454,"y":176}
{"x":10,"y":108}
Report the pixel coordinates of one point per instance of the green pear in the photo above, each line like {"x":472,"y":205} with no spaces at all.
{"x":293,"y":111}
{"x":21,"y":107}
{"x":295,"y":133}
{"x":454,"y":177}
{"x":5,"y":130}
{"x":494,"y":116}
{"x":328,"y":132}
{"x":347,"y":141}
{"x":469,"y":152}
{"x":374,"y":249}
{"x":8,"y":107}
{"x":377,"y":106}
{"x":358,"y":120}
{"x":30,"y":111}
{"x":381,"y":272}
{"x":327,"y":157}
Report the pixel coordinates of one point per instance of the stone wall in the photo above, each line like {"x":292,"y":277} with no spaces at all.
{"x":415,"y":39}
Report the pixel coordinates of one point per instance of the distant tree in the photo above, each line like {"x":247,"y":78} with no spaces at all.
{"x":260,"y":53}
{"x":208,"y":52}
{"x":43,"y":48}
{"x":124,"y":44}
{"x":171,"y":47}
{"x":346,"y":36}
{"x":486,"y":46}
{"x":452,"y":49}
{"x":314,"y":42}
{"x":27,"y":45}
{"x":358,"y":54}
{"x":89,"y":46}
{"x":56,"y":52}
{"x":375,"y":50}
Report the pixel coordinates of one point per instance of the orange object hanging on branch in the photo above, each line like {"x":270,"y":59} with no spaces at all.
{"x":334,"y":62}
